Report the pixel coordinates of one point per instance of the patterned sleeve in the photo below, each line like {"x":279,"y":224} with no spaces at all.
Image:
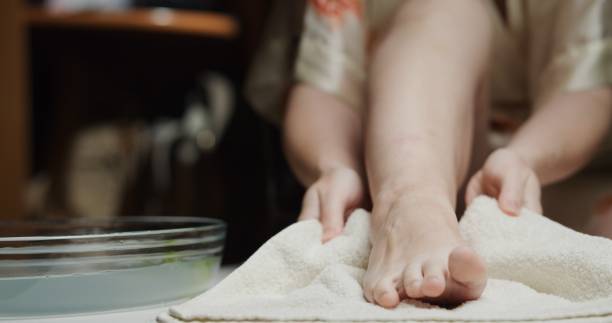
{"x":570,"y":45}
{"x":332,"y":49}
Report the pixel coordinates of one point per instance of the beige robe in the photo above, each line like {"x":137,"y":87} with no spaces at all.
{"x":542,"y":47}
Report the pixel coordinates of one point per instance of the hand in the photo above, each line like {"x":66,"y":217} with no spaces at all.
{"x":332,"y":198}
{"x":506,"y":177}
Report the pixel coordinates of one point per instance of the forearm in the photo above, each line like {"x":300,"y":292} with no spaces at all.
{"x":424,"y":85}
{"x":320,"y":133}
{"x":564,"y":133}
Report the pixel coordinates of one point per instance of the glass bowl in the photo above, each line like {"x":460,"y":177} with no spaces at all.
{"x":58,"y":267}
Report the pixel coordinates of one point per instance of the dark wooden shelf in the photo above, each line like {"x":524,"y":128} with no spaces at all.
{"x":198,"y":23}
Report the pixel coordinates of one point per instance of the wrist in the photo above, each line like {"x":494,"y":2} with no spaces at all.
{"x":308,"y":168}
{"x":327,"y":165}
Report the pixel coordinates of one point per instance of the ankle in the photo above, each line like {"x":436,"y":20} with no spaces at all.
{"x":428,"y":199}
{"x":427,"y":191}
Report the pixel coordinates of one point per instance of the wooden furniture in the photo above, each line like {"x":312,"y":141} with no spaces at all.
{"x":90,"y":68}
{"x":15,"y":20}
{"x":182,"y":22}
{"x":14,"y":166}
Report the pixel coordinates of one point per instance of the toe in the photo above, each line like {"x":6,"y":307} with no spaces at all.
{"x":368,"y":287}
{"x":434,"y":281}
{"x":413,"y":278}
{"x":386,"y":295}
{"x":469,"y":271}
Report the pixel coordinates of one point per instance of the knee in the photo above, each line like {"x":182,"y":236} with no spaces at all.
{"x":456,"y":15}
{"x":462,"y":27}
{"x":434,"y":10}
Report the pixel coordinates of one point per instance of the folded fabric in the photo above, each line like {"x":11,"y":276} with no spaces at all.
{"x":539,"y":270}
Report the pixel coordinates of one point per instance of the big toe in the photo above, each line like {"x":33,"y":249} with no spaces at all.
{"x":468,"y":274}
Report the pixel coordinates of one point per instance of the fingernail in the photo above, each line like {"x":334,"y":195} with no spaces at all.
{"x":329,"y":235}
{"x":325,"y":238}
{"x":510,"y":207}
{"x":512,"y":211}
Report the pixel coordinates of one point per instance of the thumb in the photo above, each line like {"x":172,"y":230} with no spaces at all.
{"x":533,"y":194}
{"x":310,"y":205}
{"x":511,"y":195}
{"x":332,"y":215}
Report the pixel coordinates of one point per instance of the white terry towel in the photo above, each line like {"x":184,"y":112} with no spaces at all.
{"x":538,"y":269}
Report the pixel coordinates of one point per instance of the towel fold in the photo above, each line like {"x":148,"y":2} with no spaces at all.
{"x":538,"y":269}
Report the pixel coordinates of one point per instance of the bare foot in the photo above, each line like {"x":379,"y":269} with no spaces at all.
{"x":418,"y":253}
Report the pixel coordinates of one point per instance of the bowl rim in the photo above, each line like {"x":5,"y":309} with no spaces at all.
{"x":202,"y":224}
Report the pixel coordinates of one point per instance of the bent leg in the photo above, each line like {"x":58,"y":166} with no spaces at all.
{"x":427,"y":74}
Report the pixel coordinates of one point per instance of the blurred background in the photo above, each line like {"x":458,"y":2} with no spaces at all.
{"x":137,"y":107}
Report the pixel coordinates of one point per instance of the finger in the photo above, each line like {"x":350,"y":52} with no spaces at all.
{"x":533,"y":195}
{"x":332,"y":214}
{"x":490,"y":184}
{"x":474,"y":188}
{"x":310,"y":205}
{"x":353,"y":200}
{"x":512,"y":193}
